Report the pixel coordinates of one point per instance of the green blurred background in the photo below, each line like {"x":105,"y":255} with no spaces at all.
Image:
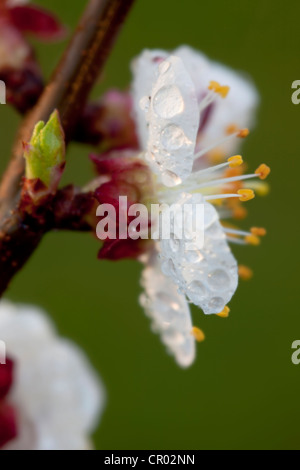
{"x":243,"y":390}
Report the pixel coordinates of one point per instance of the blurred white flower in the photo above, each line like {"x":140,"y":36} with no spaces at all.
{"x":56,"y":397}
{"x":186,"y":127}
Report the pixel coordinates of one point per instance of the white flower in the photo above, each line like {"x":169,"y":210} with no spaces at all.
{"x":182,"y":117}
{"x":169,"y":312}
{"x":56,"y":395}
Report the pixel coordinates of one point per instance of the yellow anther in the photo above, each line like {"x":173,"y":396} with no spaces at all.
{"x":235,"y":161}
{"x":246,"y":194}
{"x":223,"y":91}
{"x":252,"y":240}
{"x":224,"y":313}
{"x":259,"y":231}
{"x":231,"y":129}
{"x":263,"y":171}
{"x":198,"y":334}
{"x":217,"y":88}
{"x":214,"y":85}
{"x":245,"y":273}
{"x":243,"y":133}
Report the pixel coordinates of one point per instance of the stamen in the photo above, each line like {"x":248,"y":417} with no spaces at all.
{"x":224,"y":313}
{"x":258,"y":231}
{"x":243,"y":195}
{"x":243,"y":133}
{"x":252,"y":240}
{"x":239,"y":133}
{"x":219,"y":89}
{"x":221,"y":196}
{"x":207,"y":100}
{"x":249,"y":238}
{"x":198,"y":334}
{"x":245,"y":273}
{"x":235,"y":161}
{"x":232,"y":162}
{"x":263,"y":171}
{"x":246,"y":194}
{"x":223,"y":181}
{"x":237,"y":232}
{"x":237,"y":241}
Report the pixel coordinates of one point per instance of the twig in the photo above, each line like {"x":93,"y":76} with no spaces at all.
{"x":67,"y":91}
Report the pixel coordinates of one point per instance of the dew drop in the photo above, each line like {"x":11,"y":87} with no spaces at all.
{"x":216,"y":304}
{"x":193,"y":256}
{"x":169,"y":178}
{"x":173,"y":137}
{"x":219,"y":279}
{"x":168,"y":102}
{"x":198,"y":289}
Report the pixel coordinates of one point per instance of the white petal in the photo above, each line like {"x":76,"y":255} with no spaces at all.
{"x":169,"y":312}
{"x":173,"y":119}
{"x":61,"y":379}
{"x":238,"y":108}
{"x":207,"y":274}
{"x":58,"y":395}
{"x":198,"y":67}
{"x":25,"y":329}
{"x":144,"y":70}
{"x":169,"y":121}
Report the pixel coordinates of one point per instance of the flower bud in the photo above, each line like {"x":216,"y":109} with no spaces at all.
{"x":45,"y":158}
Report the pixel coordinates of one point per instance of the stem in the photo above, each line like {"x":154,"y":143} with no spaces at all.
{"x":68,"y":90}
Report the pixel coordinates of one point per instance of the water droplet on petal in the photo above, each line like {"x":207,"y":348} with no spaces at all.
{"x":216,"y":304}
{"x":173,"y":137}
{"x":170,"y":179}
{"x":218,"y":279}
{"x":193,"y":256}
{"x":198,"y":290}
{"x":168,"y":102}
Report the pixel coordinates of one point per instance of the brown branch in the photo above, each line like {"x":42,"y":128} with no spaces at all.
{"x":68,"y":91}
